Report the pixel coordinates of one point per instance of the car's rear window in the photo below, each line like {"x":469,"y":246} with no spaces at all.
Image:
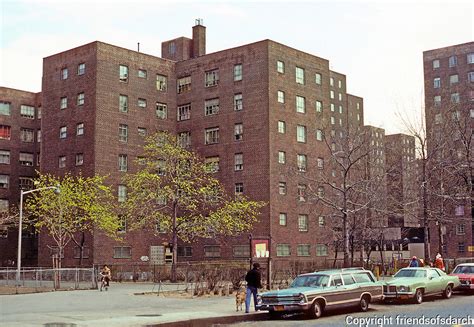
{"x":363,"y":278}
{"x":347,"y":279}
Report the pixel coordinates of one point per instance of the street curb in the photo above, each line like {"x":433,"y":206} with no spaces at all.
{"x":212,"y":321}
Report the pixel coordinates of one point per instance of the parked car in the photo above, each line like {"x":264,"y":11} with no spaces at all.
{"x":465,"y":273}
{"x":416,"y":283}
{"x":312,"y":293}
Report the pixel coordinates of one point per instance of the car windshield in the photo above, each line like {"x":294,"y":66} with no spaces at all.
{"x":310,"y":281}
{"x":464,"y":270}
{"x":411,"y":273}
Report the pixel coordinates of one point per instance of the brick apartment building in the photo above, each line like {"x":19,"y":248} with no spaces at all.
{"x":449,"y":114}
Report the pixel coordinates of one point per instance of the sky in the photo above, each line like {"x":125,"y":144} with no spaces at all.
{"x":378,"y":45}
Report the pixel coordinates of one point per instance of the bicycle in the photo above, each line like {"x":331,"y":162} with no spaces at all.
{"x":104,"y":280}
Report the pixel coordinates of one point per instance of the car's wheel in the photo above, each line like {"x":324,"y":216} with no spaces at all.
{"x":275,"y":315}
{"x":364,"y":303}
{"x":418,"y":298}
{"x":316,"y":310}
{"x":448,"y":291}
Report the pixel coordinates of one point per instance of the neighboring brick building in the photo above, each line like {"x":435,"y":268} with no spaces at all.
{"x":449,"y":114}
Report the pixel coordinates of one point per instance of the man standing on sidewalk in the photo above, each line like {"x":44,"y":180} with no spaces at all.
{"x":253,"y":279}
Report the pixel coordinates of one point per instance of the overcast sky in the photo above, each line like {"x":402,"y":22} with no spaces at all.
{"x":377,"y":45}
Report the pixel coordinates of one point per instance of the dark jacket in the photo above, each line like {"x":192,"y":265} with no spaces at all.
{"x":253,"y":278}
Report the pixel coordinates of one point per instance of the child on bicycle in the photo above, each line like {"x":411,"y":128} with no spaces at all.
{"x":106,"y":275}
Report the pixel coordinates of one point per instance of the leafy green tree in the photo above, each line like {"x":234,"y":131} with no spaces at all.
{"x":175,"y":190}
{"x":81,"y":204}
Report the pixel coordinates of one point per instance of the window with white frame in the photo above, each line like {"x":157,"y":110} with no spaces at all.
{"x":281,"y":96}
{"x":331,"y":94}
{"x":27,"y":135}
{"x":321,"y":250}
{"x":459,"y":211}
{"x":319,"y":106}
{"x":453,"y":61}
{"x":211,"y":135}
{"x":184,"y":84}
{"x":303,"y":223}
{"x":283,"y":250}
{"x":339,"y":84}
{"x":238,"y":161}
{"x":141,"y":131}
{"x":460,"y":229}
{"x":281,"y":127}
{"x":321,"y":221}
{"x":4,"y":157}
{"x":81,"y":68}
{"x":211,"y":107}
{"x":455,"y":98}
{"x":239,"y":188}
{"x":281,"y":157}
{"x":123,"y":73}
{"x":211,"y":78}
{"x":282,"y":188}
{"x":237,"y":72}
{"x":142,"y":73}
{"x":301,"y":133}
{"x":212,"y":251}
{"x":333,"y":120}
{"x":318,"y":78}
{"x":282,"y":219}
{"x":280,"y":67}
{"x":161,"y":82}
{"x":437,"y":101}
{"x":333,"y":107}
{"x":331,"y":81}
{"x":63,"y":103}
{"x":141,"y":103}
{"x":122,"y":193}
{"x":184,"y":139}
{"x":26,"y":159}
{"x":62,"y":161}
{"x":63,"y":132}
{"x":238,"y":132}
{"x":123,"y":103}
{"x":340,"y":96}
{"x":299,"y":75}
{"x":123,"y":162}
{"x":470,"y":58}
{"x":238,"y":105}
{"x":320,"y":163}
{"x":301,"y":162}
{"x":64,"y":73}
{"x":27,"y":111}
{"x":5,"y":108}
{"x":454,"y":79}
{"x":80,"y":129}
{"x":436,"y":64}
{"x":161,"y":110}
{"x":301,"y":192}
{"x":184,"y":112}
{"x":79,"y":159}
{"x":212,"y":164}
{"x":123,"y":133}
{"x":122,"y":252}
{"x":80,"y":99}
{"x":470,"y":77}
{"x":340,"y":109}
{"x":300,"y":104}
{"x":4,"y":181}
{"x":302,"y":250}
{"x":321,"y":192}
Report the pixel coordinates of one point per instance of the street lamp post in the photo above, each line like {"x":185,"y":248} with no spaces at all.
{"x":18,"y":268}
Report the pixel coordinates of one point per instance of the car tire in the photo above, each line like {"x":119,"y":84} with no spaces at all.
{"x":418,"y":298}
{"x":316,"y":310}
{"x":275,"y":315}
{"x":364,"y":303}
{"x":448,"y":291}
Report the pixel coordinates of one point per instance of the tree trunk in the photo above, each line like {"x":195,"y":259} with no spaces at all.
{"x":425,"y":212}
{"x":345,"y":232}
{"x":174,"y":244}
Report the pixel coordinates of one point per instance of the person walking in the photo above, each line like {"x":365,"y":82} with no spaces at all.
{"x":253,"y":279}
{"x":439,"y":263}
{"x":413,"y":262}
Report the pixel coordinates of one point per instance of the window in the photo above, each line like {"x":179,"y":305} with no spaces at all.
{"x":238,"y":132}
{"x":26,"y":159}
{"x":331,"y":81}
{"x":81,"y":69}
{"x":85,"y":252}
{"x":184,"y":139}
{"x":320,"y":163}
{"x":63,"y":103}
{"x":459,"y":210}
{"x":333,"y":120}
{"x":340,"y":109}
{"x":299,"y":75}
{"x":5,"y":108}
{"x":282,"y":219}
{"x":212,"y":251}
{"x":454,"y":79}
{"x":331,"y":94}
{"x":282,"y":188}
{"x":319,"y":106}
{"x":321,"y":250}
{"x":340,"y":96}
{"x":184,"y":84}
{"x":281,"y":127}
{"x":27,"y":111}
{"x":3,"y":205}
{"x":470,"y":78}
{"x":123,"y":103}
{"x":461,"y":247}
{"x":241,"y":251}
{"x":211,"y":107}
{"x":321,"y":221}
{"x":318,"y":78}
{"x":301,"y":162}
{"x":321,"y":192}
{"x":281,"y":157}
{"x":122,"y":252}
{"x":141,"y":131}
{"x":303,"y":223}
{"x":302,"y":250}
{"x":238,"y":101}
{"x":62,"y":161}
{"x":161,"y":110}
{"x":4,"y":181}
{"x":27,"y":135}
{"x":184,"y":112}
{"x":79,"y":159}
{"x":123,"y":162}
{"x":142,"y":73}
{"x":38,"y":136}
{"x":38,"y":115}
{"x":436,"y":64}
{"x":4,"y":157}
{"x":280,"y":67}
{"x":122,"y":228}
{"x":123,"y":73}
{"x":239,"y":188}
{"x":80,"y":129}
{"x":281,"y":97}
{"x":455,"y":97}
{"x":122,"y":193}
{"x":470,"y":58}
{"x":437,"y":101}
{"x":300,"y":104}
{"x":238,"y":161}
{"x":141,"y":103}
{"x":283,"y":250}
{"x":453,"y":61}
{"x":333,"y":107}
{"x":301,"y":133}
{"x":211,"y":78}
{"x":64,"y":73}
{"x":211,"y":135}
{"x":460,"y":229}
{"x":161,"y":82}
{"x":339,"y":84}
{"x":238,"y":72}
{"x":25,"y":183}
{"x":63,"y":132}
{"x":212,"y":164}
{"x":472,"y":113}
{"x":123,"y":133}
{"x":185,"y":251}
{"x":319,"y":135}
{"x":301,"y":193}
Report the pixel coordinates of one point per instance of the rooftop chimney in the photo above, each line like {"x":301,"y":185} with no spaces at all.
{"x":199,"y":38}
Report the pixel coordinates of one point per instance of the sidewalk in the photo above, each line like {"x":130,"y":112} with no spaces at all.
{"x":127,"y":304}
